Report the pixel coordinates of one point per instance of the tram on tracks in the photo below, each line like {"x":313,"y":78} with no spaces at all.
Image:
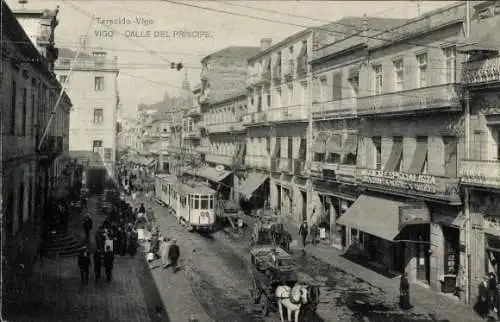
{"x":192,"y":202}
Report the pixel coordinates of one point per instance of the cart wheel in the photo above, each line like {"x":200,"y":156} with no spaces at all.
{"x":263,"y":301}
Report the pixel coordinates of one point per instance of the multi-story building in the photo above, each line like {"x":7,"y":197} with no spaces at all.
{"x":224,"y":139}
{"x":398,"y":91}
{"x":34,"y":135}
{"x":279,"y":91}
{"x":335,"y":122}
{"x":479,"y":171}
{"x":223,"y":78}
{"x":91,"y":81}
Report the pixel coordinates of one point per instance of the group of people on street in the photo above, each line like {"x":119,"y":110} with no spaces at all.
{"x":101,"y":260}
{"x":165,"y":249}
{"x":304,"y":231}
{"x":57,"y":216}
{"x":489,"y":299}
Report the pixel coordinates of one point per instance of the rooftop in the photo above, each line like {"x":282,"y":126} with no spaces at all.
{"x":234,"y":51}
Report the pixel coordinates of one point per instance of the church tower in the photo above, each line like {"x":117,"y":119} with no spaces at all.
{"x":186,"y":94}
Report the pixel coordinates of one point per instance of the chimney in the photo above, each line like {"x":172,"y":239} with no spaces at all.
{"x":265,"y":43}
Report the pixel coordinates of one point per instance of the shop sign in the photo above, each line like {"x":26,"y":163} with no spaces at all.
{"x":492,"y":225}
{"x":407,"y":181}
{"x":413,"y":215}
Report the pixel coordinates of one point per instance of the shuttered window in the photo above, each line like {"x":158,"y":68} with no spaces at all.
{"x":337,"y":86}
{"x":396,"y":157}
{"x":420,"y":156}
{"x":450,"y":156}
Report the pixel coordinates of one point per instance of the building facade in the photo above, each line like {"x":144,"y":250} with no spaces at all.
{"x":33,"y":143}
{"x":279,"y":99}
{"x":479,"y":170}
{"x":92,"y":82}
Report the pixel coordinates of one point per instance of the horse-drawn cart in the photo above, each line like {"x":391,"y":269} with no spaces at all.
{"x":274,"y":277}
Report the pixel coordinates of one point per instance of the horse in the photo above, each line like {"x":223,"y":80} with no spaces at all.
{"x":295,"y":298}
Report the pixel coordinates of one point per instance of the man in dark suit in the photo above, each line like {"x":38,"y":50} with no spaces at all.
{"x":174,"y":253}
{"x":84,"y":265}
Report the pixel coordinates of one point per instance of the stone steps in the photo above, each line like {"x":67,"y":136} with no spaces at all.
{"x":61,"y":245}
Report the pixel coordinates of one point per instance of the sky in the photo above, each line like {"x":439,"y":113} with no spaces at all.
{"x":147,"y":36}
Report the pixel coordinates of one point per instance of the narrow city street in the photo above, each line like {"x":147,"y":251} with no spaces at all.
{"x":217,"y":268}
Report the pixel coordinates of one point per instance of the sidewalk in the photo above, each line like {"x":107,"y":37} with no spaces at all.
{"x":425,"y":300}
{"x":174,"y":289}
{"x":54,"y":293}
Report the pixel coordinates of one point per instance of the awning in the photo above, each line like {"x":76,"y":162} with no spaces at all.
{"x":373,"y":215}
{"x":251,"y":184}
{"x":351,"y":144}
{"x":319,"y":145}
{"x":418,"y":158}
{"x":212,"y":174}
{"x":334,"y":144}
{"x":395,"y":157}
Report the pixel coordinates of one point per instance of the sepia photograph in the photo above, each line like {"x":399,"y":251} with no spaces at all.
{"x":249,"y":161}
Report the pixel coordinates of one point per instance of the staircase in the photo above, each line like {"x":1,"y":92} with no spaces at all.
{"x":59,"y":244}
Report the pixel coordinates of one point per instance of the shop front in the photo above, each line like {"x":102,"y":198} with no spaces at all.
{"x":390,"y":234}
{"x":332,"y":200}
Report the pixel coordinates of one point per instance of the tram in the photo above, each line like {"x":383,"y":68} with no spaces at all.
{"x":193,"y":203}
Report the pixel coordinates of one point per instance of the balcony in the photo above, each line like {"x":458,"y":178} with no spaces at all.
{"x":286,"y":165}
{"x":422,"y":185}
{"x":339,"y":109}
{"x":482,"y":71}
{"x":219,"y":159}
{"x":255,"y":118}
{"x":225,"y":127}
{"x":194,"y":112}
{"x":447,"y":96}
{"x":288,"y":114}
{"x":334,"y":171}
{"x":289,"y":70}
{"x":258,"y":162}
{"x":265,"y":77}
{"x":480,"y":173}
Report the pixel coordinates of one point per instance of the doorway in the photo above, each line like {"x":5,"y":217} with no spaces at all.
{"x":422,"y":250}
{"x":278,"y":188}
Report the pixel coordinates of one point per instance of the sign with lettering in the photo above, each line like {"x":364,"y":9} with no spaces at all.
{"x":413,"y":215}
{"x":492,"y":225}
{"x":407,"y":181}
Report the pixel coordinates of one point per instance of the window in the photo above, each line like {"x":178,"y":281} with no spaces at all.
{"x":269,"y":100}
{"x":211,"y":202}
{"x":204,"y":202}
{"x":450,"y":62}
{"x":422,"y":70}
{"x":98,"y":115}
{"x":378,"y":79}
{"x":395,"y":160}
{"x":25,"y":111}
{"x":63,"y":79}
{"x":196,"y":202}
{"x":322,"y":90}
{"x":450,"y":156}
{"x":13,"y":109}
{"x":377,"y":146}
{"x":290,"y":94}
{"x":278,"y":97}
{"x":398,"y":75}
{"x":337,"y":86}
{"x":96,"y":144}
{"x":259,"y":104}
{"x":34,"y":122}
{"x":99,"y":83}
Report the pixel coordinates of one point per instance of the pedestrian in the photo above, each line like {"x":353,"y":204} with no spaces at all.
{"x":87,"y":226}
{"x":84,"y":265}
{"x":123,"y":242}
{"x":303,"y":231}
{"x":404,"y":290}
{"x":492,"y":292}
{"x":314,"y":234}
{"x":483,"y":298}
{"x":97,"y":264}
{"x":109,"y":258}
{"x":163,"y":251}
{"x":174,"y":253}
{"x":134,"y":238}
